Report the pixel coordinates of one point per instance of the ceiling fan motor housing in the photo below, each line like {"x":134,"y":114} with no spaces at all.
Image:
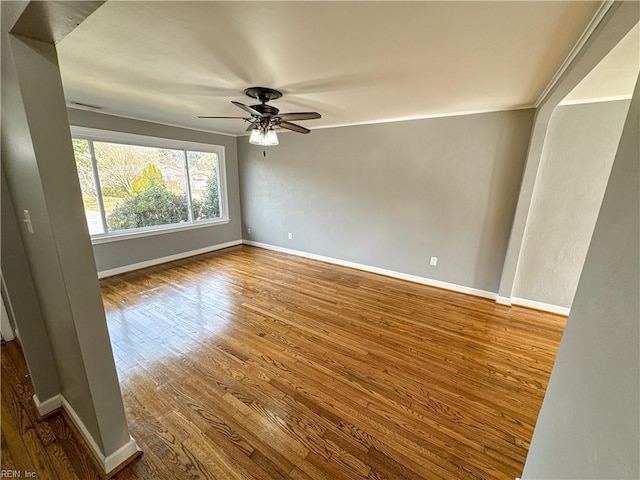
{"x":266,"y":109}
{"x":263,"y":94}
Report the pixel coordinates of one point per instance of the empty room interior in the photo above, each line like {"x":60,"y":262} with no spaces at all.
{"x":320,"y":240}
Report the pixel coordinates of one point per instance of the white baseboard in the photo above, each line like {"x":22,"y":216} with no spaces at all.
{"x":112,"y":461}
{"x":503,"y":300}
{"x":48,"y":406}
{"x":545,"y":307}
{"x":6,"y":331}
{"x":121,"y":455}
{"x":170,"y":258}
{"x":381,"y":271}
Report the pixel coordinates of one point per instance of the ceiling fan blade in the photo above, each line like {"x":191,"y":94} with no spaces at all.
{"x":239,"y":118}
{"x":300,"y":116}
{"x":247,"y":109}
{"x":294,"y":128}
{"x":250,"y":127}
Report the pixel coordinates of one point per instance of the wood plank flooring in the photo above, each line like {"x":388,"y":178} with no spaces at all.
{"x":50,"y":449}
{"x":251,"y":364}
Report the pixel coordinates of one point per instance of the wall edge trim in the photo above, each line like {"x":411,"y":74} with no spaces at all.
{"x":586,"y":34}
{"x":545,"y":307}
{"x":122,"y":456}
{"x":110,"y":462}
{"x":169,"y":258}
{"x":500,"y":300}
{"x":380,"y":271}
{"x":48,"y":406}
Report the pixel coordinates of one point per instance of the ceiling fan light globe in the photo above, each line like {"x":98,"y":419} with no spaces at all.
{"x":271,"y":138}
{"x":256,"y":137}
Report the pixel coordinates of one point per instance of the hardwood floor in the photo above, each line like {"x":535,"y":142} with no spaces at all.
{"x":49,"y":449}
{"x":250,"y":364}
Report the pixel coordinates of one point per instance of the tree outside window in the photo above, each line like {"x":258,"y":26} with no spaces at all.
{"x":127,"y":187}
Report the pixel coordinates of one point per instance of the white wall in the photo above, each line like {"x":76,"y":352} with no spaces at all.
{"x":575,"y":166}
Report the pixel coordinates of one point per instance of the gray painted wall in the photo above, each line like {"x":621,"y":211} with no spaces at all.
{"x":127,"y":252}
{"x":392,"y":195}
{"x":588,"y":427}
{"x":37,"y":158}
{"x":23,"y":177}
{"x":620,"y":17}
{"x":579,"y":150}
{"x":25,"y":305}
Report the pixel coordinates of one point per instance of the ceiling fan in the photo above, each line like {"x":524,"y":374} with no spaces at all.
{"x":264,"y":118}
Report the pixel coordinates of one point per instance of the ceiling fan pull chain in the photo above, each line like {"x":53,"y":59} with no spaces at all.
{"x":264,"y":153}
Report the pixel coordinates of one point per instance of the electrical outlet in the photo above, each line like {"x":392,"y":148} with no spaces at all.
{"x":434,"y":261}
{"x":290,"y":235}
{"x":248,"y":231}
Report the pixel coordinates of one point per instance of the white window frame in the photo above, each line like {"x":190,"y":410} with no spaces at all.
{"x":96,"y":135}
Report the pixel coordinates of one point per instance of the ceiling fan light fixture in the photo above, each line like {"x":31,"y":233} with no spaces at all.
{"x":263,"y":137}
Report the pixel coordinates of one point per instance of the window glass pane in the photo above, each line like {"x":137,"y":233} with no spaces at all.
{"x":88,"y":186}
{"x":141,"y":186}
{"x":205,"y":185}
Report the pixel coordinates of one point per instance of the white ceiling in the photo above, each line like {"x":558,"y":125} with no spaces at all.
{"x":614,"y":77}
{"x":354,"y":62}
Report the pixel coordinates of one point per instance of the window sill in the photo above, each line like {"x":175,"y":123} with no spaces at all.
{"x":146,"y":232}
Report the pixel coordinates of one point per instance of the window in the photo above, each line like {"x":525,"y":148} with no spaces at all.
{"x":134,"y":185}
